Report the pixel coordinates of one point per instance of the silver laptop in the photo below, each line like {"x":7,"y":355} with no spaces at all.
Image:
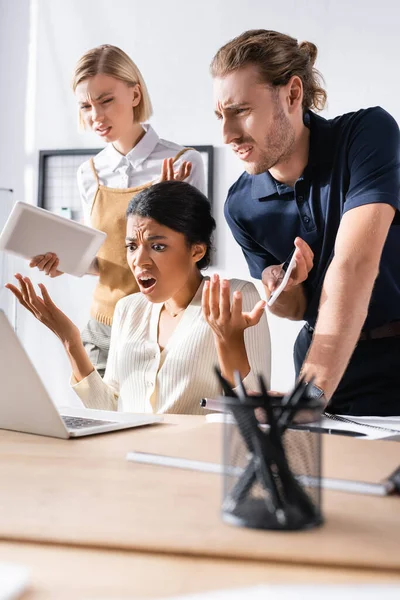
{"x":26,"y":406}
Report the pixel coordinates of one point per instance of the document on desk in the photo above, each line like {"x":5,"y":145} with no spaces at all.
{"x":368,"y":428}
{"x":14,"y":581}
{"x":373,"y":428}
{"x":301,"y":592}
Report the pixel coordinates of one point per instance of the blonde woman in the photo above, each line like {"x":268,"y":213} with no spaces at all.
{"x":114,"y":103}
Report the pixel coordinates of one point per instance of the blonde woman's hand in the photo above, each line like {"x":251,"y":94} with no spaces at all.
{"x":168,"y":173}
{"x":226,"y":319}
{"x":48,"y":263}
{"x":44,"y":309}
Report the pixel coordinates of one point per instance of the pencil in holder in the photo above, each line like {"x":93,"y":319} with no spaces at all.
{"x":272,"y":470}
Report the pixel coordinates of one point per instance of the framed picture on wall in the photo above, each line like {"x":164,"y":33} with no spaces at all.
{"x":58,"y":188}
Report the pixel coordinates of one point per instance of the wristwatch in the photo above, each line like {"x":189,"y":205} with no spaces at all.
{"x":313,"y":392}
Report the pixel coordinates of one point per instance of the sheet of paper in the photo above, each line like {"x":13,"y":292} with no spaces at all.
{"x":13,"y":581}
{"x":389,"y":422}
{"x":301,"y":592}
{"x":369,"y":432}
{"x":361,"y":425}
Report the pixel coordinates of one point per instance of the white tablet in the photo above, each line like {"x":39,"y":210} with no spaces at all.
{"x":30,"y":231}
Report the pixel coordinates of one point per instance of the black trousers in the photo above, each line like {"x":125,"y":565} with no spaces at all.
{"x":371,"y":383}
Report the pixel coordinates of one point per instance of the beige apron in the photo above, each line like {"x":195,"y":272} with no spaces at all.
{"x":115,"y":277}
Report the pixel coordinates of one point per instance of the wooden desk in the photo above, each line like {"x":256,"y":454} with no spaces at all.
{"x":62,"y":573}
{"x":83,"y":493}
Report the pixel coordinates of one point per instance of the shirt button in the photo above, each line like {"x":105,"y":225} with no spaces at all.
{"x":306,"y":220}
{"x":300,"y":198}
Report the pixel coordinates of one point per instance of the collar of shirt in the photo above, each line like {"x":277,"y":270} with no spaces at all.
{"x":138,"y":154}
{"x":320,"y":152}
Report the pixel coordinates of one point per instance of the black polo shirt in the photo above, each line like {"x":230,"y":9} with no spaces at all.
{"x":353,"y":160}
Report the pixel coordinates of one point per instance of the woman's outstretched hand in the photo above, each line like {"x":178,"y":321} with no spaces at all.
{"x":226,"y":319}
{"x":44,"y":309}
{"x":168,"y":173}
{"x":228,"y":323}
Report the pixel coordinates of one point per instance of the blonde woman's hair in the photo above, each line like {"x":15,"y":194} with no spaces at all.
{"x":112,"y":61}
{"x":278,"y":57}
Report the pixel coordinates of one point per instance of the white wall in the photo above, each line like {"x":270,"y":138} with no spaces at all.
{"x":173,"y":44}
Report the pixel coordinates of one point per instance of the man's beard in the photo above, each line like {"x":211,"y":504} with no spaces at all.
{"x":279,"y":145}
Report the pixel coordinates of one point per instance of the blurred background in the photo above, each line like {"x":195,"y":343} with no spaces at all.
{"x":173,"y":44}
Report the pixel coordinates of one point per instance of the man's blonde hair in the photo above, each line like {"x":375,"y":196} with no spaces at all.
{"x":112,"y":61}
{"x":278,"y":57}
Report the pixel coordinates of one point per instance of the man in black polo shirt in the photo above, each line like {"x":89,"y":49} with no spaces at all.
{"x":329,"y":188}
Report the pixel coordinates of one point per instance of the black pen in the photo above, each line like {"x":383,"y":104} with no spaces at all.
{"x":313,"y":429}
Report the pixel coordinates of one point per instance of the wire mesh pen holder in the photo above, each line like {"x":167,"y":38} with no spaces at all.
{"x":272,"y":473}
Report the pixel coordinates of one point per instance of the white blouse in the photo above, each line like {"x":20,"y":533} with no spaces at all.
{"x":139,"y":378}
{"x":141,"y":165}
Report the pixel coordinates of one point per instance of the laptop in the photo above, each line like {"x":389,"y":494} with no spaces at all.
{"x":26,"y":406}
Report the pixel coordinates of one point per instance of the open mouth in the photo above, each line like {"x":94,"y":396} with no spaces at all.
{"x":146,"y":282}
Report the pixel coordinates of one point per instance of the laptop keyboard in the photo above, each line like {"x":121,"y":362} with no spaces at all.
{"x":80,"y":422}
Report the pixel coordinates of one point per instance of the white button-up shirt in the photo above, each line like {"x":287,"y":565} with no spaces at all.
{"x":141,"y":165}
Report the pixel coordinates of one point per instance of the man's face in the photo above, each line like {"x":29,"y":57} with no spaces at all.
{"x":254,"y":120}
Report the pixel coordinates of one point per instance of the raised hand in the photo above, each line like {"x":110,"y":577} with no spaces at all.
{"x":226,"y":319}
{"x":304,"y":257}
{"x":44,"y":309}
{"x":47,"y":263}
{"x":168,"y":173}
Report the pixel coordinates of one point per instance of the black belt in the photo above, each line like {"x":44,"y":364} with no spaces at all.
{"x":383,"y":331}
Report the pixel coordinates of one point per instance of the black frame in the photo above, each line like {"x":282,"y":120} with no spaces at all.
{"x":44,"y":154}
